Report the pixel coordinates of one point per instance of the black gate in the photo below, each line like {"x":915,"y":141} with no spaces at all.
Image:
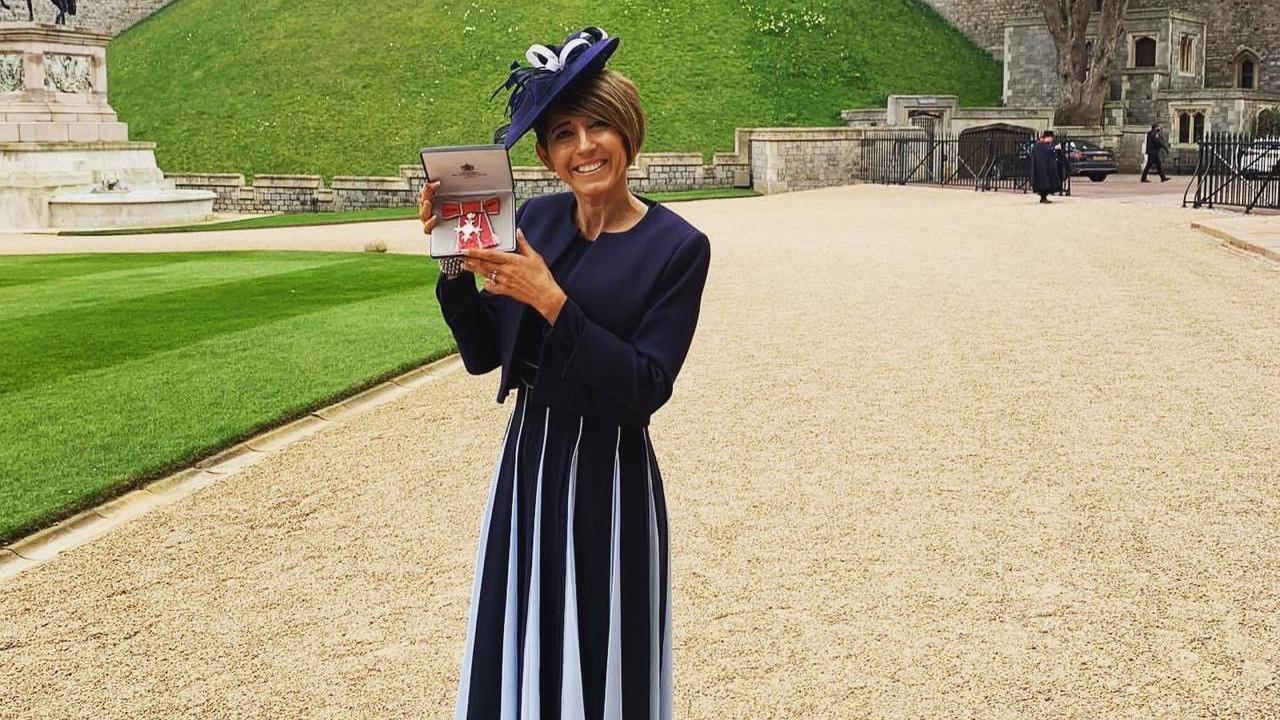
{"x":1236,"y":171}
{"x":989,"y":159}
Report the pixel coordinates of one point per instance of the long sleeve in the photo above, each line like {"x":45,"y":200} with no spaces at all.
{"x":638,"y":372}
{"x":472,"y":318}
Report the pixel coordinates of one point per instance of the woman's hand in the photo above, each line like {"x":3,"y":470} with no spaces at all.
{"x":522,"y":276}
{"x":426,"y":209}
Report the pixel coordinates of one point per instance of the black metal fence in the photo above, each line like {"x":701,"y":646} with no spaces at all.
{"x":1236,"y":171}
{"x":984,"y":160}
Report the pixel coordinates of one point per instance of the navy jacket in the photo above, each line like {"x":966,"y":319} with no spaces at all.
{"x":1155,"y":143}
{"x":618,"y":343}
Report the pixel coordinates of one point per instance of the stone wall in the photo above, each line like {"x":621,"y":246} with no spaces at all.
{"x":105,"y":16}
{"x":653,"y":172}
{"x":983,"y":20}
{"x":789,"y":159}
{"x":1031,"y":65}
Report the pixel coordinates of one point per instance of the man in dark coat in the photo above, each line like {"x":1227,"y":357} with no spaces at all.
{"x":1155,"y":146}
{"x":1046,"y":171}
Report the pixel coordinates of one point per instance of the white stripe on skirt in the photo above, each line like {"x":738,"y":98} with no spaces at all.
{"x":668,"y":711}
{"x":655,"y":596}
{"x":530,"y":700}
{"x":464,"y":683}
{"x":572,"y":703}
{"x":613,"y":664}
{"x":510,"y":627}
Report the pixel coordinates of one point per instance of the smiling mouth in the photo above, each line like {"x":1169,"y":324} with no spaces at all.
{"x":589,"y":168}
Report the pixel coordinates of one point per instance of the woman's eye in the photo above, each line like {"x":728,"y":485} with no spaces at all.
{"x":563,"y":134}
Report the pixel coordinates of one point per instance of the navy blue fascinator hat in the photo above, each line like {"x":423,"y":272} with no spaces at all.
{"x":551,"y":70}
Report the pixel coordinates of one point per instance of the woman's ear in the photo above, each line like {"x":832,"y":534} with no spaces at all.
{"x":543,"y":156}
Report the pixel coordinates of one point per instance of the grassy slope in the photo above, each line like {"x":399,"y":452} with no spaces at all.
{"x":118,"y":367}
{"x":312,"y":86}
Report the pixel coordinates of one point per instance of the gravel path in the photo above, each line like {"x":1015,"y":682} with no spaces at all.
{"x":946,"y":455}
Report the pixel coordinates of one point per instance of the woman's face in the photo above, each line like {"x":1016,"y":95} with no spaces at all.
{"x":586,"y":152}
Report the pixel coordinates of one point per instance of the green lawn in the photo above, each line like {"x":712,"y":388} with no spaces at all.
{"x":333,"y":88}
{"x":117,"y":368}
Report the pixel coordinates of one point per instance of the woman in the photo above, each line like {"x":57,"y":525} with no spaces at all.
{"x":590,"y":321}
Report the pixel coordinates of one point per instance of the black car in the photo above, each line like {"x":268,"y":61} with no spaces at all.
{"x":1087,"y":159}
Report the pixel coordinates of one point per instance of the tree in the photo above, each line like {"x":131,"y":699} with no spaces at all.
{"x":1085,"y":72}
{"x":1269,"y":123}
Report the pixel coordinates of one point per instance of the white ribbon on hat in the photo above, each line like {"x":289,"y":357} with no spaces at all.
{"x":544,"y":58}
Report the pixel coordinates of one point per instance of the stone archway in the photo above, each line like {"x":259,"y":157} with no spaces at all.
{"x":931,"y":122}
{"x":994,"y":150}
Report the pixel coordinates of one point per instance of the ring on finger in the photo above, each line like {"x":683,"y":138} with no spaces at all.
{"x":493,"y":277}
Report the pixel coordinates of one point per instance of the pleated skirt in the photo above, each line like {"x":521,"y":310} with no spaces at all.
{"x":570,"y":612}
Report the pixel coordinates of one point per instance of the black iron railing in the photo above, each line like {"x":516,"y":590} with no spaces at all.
{"x":1236,"y":171}
{"x":984,"y":161}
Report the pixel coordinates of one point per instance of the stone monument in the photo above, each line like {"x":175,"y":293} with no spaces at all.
{"x":65,"y":160}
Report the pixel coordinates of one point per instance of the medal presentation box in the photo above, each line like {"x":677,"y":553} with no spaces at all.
{"x":476,"y":200}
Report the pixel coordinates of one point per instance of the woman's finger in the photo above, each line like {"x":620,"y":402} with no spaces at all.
{"x":523,"y":247}
{"x":496,"y":257}
{"x":496,"y":288}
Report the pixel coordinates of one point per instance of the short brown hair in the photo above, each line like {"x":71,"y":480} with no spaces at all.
{"x":608,"y":95}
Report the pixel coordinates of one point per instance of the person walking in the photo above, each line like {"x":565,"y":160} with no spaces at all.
{"x":590,"y":322}
{"x":1155,"y":146}
{"x":1046,"y":167}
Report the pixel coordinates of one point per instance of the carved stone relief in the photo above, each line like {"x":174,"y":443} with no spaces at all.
{"x":68,"y":73}
{"x":11,"y":72}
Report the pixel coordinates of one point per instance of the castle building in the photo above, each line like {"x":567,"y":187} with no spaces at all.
{"x":1195,"y":66}
{"x":1236,"y":31}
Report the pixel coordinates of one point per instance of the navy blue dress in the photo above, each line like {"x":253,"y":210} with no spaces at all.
{"x":571,"y":611}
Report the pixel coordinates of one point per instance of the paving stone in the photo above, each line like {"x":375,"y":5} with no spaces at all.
{"x":182,"y":483}
{"x":287,"y":434}
{"x":236,"y":462}
{"x":225,"y":456}
{"x":429,"y":373}
{"x":67,"y":534}
{"x":12,"y":564}
{"x":365,"y":401}
{"x":129,"y":506}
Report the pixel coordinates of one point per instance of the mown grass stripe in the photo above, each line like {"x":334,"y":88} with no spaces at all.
{"x":20,"y":270}
{"x":51,"y":345}
{"x":128,"y":281}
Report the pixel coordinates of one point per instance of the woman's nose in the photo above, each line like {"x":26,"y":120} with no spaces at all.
{"x":585,"y":142}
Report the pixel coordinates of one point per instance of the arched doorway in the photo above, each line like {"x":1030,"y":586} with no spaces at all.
{"x":929,"y":121}
{"x":997,"y":152}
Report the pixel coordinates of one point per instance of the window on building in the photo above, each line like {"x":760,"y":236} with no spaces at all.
{"x":1191,"y":125}
{"x":1246,"y":68}
{"x":1187,"y":55}
{"x":1144,"y":52}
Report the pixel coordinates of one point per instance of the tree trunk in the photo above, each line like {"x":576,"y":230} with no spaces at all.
{"x":1085,"y":76}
